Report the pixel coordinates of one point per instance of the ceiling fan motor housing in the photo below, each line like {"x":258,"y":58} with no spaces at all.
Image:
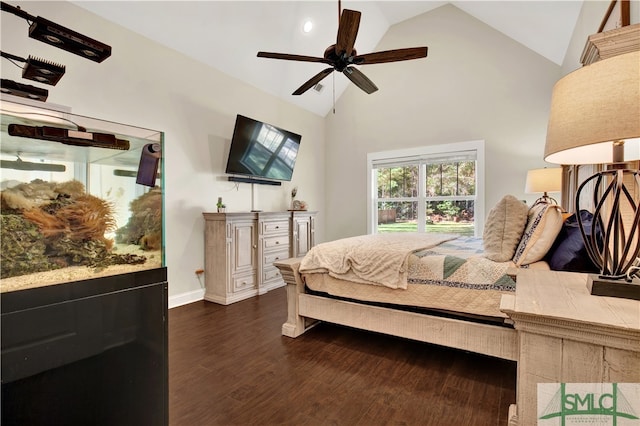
{"x":339,"y":62}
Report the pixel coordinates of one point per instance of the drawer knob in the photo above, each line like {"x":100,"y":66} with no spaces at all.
{"x":277,"y":227}
{"x":277,"y":242}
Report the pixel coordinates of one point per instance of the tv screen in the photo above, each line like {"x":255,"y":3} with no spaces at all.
{"x":262,"y":150}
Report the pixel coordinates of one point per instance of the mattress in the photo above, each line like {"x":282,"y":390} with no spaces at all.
{"x":452,"y":277}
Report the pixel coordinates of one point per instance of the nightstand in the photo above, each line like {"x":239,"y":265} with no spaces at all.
{"x":566,"y":335}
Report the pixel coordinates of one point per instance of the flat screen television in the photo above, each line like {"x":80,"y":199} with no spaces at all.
{"x":262,"y":150}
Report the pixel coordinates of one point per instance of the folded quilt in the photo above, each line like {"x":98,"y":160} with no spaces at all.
{"x":379,"y":259}
{"x":460,"y":263}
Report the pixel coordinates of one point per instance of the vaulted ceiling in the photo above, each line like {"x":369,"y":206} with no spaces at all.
{"x":228,"y":34}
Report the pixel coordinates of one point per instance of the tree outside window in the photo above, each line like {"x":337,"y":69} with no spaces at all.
{"x":429,"y":196}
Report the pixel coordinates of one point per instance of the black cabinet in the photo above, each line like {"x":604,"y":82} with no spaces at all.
{"x":91,"y":352}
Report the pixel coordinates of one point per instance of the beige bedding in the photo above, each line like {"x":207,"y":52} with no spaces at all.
{"x":378,"y":259}
{"x":452,"y":276}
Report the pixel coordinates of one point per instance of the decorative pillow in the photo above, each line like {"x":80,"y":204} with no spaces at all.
{"x":568,"y":252}
{"x":503,"y":228}
{"x":544,"y":222}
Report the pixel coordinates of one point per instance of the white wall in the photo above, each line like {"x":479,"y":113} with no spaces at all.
{"x":147,"y":85}
{"x":475,"y":84}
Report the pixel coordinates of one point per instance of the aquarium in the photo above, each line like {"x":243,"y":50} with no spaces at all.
{"x":81,"y":198}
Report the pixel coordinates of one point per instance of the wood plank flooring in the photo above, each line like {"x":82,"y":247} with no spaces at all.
{"x":230,"y":365}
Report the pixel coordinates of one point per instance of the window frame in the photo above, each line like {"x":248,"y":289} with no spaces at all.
{"x":411,"y":154}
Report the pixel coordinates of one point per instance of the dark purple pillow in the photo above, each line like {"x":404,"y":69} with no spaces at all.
{"x":568,"y":252}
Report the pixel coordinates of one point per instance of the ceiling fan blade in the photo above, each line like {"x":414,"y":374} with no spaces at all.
{"x":347,"y":31}
{"x":313,"y":81}
{"x":391,"y":56}
{"x":360,"y":80}
{"x":289,"y":57}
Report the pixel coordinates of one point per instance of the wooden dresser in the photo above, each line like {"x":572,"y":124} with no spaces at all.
{"x":566,"y":335}
{"x":240,"y":249}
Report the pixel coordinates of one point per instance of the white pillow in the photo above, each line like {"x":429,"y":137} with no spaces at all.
{"x":544,"y":223}
{"x":503,"y":228}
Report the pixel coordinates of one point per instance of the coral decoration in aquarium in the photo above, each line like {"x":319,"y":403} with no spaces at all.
{"x":144,"y":227}
{"x":48,"y":226}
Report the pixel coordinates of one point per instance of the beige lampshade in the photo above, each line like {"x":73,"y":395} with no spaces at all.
{"x":544,"y":180}
{"x":592,"y":107}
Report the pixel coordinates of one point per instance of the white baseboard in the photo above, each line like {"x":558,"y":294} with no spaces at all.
{"x":185,"y":298}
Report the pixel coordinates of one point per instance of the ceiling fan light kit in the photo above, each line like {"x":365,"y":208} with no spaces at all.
{"x":342,"y":56}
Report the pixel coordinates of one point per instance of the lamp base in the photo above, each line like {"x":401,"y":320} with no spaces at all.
{"x":602,"y":286}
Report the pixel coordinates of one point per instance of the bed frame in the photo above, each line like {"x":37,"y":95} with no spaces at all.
{"x":306,"y":310}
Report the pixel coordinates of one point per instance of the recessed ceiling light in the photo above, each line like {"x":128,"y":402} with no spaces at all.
{"x":307,"y":26}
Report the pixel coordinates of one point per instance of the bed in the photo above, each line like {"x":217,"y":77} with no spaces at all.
{"x":437,"y":288}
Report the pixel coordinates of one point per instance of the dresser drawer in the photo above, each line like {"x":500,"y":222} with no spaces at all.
{"x":276,"y":227}
{"x":242,"y":282}
{"x":276,"y":242}
{"x":274,"y":256}
{"x":271,"y":273}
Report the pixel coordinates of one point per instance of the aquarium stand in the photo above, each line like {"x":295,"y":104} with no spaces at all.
{"x":91,"y":352}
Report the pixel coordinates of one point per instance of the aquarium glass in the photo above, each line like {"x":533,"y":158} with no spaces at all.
{"x":71,"y":205}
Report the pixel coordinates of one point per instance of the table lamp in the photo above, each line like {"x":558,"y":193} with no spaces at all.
{"x":544,"y":181}
{"x":595,"y":119}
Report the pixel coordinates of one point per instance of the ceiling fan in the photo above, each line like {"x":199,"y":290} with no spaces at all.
{"x":342,"y":55}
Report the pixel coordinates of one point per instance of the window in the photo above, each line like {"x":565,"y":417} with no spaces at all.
{"x":429,"y":189}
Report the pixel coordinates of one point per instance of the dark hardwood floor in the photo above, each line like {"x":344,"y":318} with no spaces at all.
{"x":230,"y":365}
